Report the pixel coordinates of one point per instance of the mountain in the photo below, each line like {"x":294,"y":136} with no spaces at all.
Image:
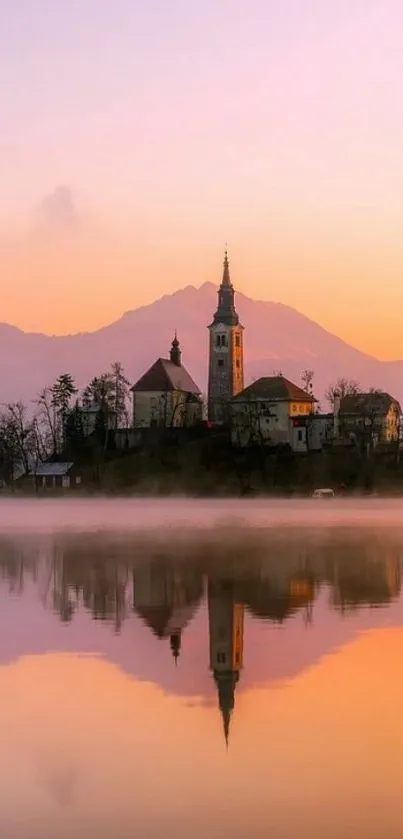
{"x":277,"y":337}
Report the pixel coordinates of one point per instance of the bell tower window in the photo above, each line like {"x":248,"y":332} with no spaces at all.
{"x":221,"y":341}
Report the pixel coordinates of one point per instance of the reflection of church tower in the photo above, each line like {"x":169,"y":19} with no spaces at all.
{"x":226,"y":619}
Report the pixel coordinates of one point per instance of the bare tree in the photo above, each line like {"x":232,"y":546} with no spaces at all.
{"x":47,"y":420}
{"x":342,"y":387}
{"x":307,"y":377}
{"x":18,"y":434}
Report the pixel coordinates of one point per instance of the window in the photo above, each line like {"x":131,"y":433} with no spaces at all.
{"x":220,"y":362}
{"x":223,"y":340}
{"x":221,"y":658}
{"x":238,"y":363}
{"x":237,"y":340}
{"x":299,"y":435}
{"x":218,"y":340}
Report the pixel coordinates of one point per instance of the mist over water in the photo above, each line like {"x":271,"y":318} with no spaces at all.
{"x":176,"y":667}
{"x":127,"y":515}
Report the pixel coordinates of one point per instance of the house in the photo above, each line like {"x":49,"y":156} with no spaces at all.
{"x":320,"y":429}
{"x":372,"y":417}
{"x":269,"y":412}
{"x":55,"y":475}
{"x":166,"y":395}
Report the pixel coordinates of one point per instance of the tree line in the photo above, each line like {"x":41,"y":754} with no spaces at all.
{"x":55,"y":424}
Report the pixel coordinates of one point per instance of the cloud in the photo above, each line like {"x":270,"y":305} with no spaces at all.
{"x":58,"y":210}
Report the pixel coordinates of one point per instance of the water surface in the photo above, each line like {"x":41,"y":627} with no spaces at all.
{"x":201,"y":669}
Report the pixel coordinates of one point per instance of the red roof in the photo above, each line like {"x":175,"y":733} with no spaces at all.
{"x":164,"y":375}
{"x":274,"y":389}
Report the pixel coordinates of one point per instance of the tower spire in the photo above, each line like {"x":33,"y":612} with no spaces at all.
{"x":175,"y":351}
{"x":175,"y":640}
{"x":226,"y":280}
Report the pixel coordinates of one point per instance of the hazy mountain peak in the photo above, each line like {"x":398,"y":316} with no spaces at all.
{"x":277,"y":337}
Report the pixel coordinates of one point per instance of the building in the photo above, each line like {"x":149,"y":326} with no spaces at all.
{"x":370,"y":418}
{"x":271,"y":411}
{"x":166,"y":395}
{"x":55,"y":475}
{"x":226,"y":630}
{"x":226,"y":369}
{"x":320,"y":430}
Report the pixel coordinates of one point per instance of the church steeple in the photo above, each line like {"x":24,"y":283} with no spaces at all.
{"x":226,"y":312}
{"x":226,"y":626}
{"x":226,"y":683}
{"x":226,"y":281}
{"x":226,"y":370}
{"x":175,"y":641}
{"x":175,"y":353}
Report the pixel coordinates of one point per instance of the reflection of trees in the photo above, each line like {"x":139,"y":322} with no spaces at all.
{"x":96,"y":579}
{"x":274,"y":578}
{"x":363,"y":580}
{"x":18,"y":564}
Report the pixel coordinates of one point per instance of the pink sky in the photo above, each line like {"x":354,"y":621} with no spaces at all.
{"x":177,"y":126}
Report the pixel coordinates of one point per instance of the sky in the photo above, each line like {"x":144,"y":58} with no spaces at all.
{"x":136,"y":138}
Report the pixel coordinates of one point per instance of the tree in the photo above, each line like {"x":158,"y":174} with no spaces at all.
{"x":61,"y":393}
{"x":121,"y":385}
{"x":307,"y":377}
{"x":47,"y":421}
{"x":18,"y":439}
{"x":342,"y":387}
{"x":74,"y":431}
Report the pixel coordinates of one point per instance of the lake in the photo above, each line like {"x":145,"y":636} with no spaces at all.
{"x":201,"y":669}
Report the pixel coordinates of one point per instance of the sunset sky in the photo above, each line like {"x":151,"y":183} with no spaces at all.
{"x":137,"y":137}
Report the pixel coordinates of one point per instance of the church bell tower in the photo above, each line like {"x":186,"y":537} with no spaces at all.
{"x":226,"y":630}
{"x":226,"y":374}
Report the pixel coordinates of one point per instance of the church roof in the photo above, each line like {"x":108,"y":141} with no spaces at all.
{"x":274,"y":388}
{"x":164,"y":375}
{"x":165,"y":620}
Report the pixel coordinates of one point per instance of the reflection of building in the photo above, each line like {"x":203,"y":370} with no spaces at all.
{"x":362,"y":580}
{"x":276,"y":599}
{"x":226,"y":627}
{"x":166,"y":597}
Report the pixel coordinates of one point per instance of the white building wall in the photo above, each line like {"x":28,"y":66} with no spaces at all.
{"x":168,"y":409}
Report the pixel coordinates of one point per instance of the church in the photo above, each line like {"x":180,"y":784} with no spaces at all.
{"x":166,"y":395}
{"x":226,"y":367}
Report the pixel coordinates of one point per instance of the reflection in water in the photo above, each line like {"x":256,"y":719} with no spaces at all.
{"x":272,"y":579}
{"x":137,"y":682}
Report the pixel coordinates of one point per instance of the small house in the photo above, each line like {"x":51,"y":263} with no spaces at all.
{"x":56,"y":476}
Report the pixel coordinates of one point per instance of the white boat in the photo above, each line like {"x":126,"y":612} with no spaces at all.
{"x":323,"y":493}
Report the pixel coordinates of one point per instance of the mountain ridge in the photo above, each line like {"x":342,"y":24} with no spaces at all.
{"x":277,"y":337}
